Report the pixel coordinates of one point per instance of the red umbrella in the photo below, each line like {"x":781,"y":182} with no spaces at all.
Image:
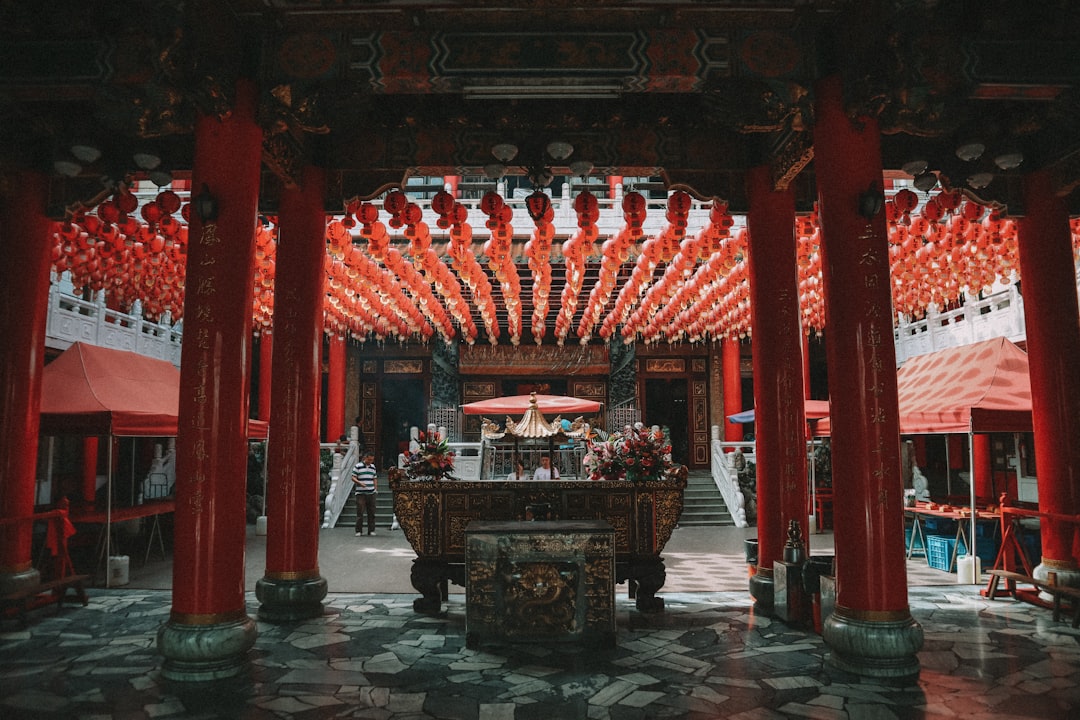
{"x":518,"y":404}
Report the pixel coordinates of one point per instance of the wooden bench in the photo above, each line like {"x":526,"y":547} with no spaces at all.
{"x":25,"y":599}
{"x":1057,"y":592}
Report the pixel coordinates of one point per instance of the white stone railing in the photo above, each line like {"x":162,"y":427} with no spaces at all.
{"x":72,"y":319}
{"x":727,"y":478}
{"x":340,"y":483}
{"x":1000,"y":314}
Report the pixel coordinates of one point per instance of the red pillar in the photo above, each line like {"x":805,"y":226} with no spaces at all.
{"x":292,"y":588}
{"x":209,"y":633}
{"x":778,"y":381}
{"x":266,"y":369}
{"x":90,"y":465}
{"x":335,"y":389}
{"x":24,"y":295}
{"x":1053,"y":341}
{"x":614,"y":181}
{"x":729,"y":349}
{"x":871,"y":631}
{"x":983,"y":472}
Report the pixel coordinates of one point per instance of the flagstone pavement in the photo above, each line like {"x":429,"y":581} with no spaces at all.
{"x":709,"y":655}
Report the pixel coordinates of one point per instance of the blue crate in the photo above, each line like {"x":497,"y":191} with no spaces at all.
{"x":939,"y":551}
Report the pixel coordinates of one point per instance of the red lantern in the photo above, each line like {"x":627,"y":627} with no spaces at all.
{"x":633,"y":204}
{"x":395,"y":202}
{"x":168,"y":201}
{"x":906,"y":200}
{"x":491,"y":203}
{"x":442,"y":203}
{"x":367,"y":214}
{"x":538,"y":204}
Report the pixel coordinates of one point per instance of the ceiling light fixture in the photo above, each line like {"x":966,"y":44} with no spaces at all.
{"x":914,"y":168}
{"x":85,"y":151}
{"x":980,"y":180}
{"x":146,"y":160}
{"x":504,"y":152}
{"x":1009,"y":160}
{"x":559,"y":149}
{"x":925,"y":181}
{"x":970,"y":151}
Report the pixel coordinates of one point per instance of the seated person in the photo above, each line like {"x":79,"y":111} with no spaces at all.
{"x":546,"y":471}
{"x":518,"y":472}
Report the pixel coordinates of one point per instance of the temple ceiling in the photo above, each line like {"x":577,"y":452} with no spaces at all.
{"x":690,"y":92}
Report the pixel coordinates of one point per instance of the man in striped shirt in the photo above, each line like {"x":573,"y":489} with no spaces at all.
{"x":364,"y":489}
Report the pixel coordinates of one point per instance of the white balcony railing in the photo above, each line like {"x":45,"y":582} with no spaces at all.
{"x":72,"y":319}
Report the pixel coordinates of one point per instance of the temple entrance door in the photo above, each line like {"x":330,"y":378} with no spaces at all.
{"x":666,"y":405}
{"x":402,"y":407}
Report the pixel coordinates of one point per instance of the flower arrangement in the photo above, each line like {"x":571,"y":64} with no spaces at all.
{"x":433,"y":459}
{"x":639,"y":454}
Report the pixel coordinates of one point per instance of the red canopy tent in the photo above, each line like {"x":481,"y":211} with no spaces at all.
{"x":980,"y":388}
{"x":97,"y":391}
{"x":92,"y":390}
{"x":518,"y":404}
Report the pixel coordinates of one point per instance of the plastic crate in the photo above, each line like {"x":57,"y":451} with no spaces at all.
{"x":939,"y":551}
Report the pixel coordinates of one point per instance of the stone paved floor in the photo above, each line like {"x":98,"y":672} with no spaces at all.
{"x":707,"y":656}
{"x":370,"y":656}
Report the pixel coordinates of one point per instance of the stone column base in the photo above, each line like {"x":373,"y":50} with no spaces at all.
{"x":12,"y":582}
{"x":1065,"y":573}
{"x":761,"y":589}
{"x":200,"y":653}
{"x":877,"y":648}
{"x":288,"y":600}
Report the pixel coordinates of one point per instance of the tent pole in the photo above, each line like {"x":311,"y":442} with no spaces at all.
{"x":108,"y":509}
{"x":971,"y":485}
{"x":948,"y":468}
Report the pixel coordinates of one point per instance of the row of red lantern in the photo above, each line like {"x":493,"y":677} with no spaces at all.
{"x":681,"y":257}
{"x":713,"y":293}
{"x":575,"y":251}
{"x":262,"y":302}
{"x":367,"y":293}
{"x":472,"y":274}
{"x":538,"y":253}
{"x":109,"y":249}
{"x":616,"y":251}
{"x":501,"y":261}
{"x":436,"y":274}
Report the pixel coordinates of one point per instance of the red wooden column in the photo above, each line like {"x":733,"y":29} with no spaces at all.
{"x":871,"y":632}
{"x":335,"y":388}
{"x":292,"y":588}
{"x":1053,"y":341}
{"x":983,"y":472}
{"x":266,"y":370}
{"x":729,"y":349}
{"x":209,"y":632}
{"x":779,"y":425}
{"x":90,"y":465}
{"x":24,"y":300}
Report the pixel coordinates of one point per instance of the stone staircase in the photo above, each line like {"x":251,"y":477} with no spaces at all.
{"x":702,"y":505}
{"x":384,"y":510}
{"x":702,"y":502}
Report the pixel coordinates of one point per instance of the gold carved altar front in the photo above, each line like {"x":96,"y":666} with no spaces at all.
{"x":434,"y":515}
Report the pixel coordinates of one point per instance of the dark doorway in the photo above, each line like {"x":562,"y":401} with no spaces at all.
{"x":666,"y":406}
{"x":402,"y":408}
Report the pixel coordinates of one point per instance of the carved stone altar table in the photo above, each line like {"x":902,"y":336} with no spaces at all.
{"x":540,"y":581}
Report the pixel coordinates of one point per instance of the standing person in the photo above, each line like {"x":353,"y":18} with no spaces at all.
{"x":363,"y":476}
{"x":546,"y":471}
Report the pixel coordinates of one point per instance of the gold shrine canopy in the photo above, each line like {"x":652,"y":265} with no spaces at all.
{"x":532,"y":423}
